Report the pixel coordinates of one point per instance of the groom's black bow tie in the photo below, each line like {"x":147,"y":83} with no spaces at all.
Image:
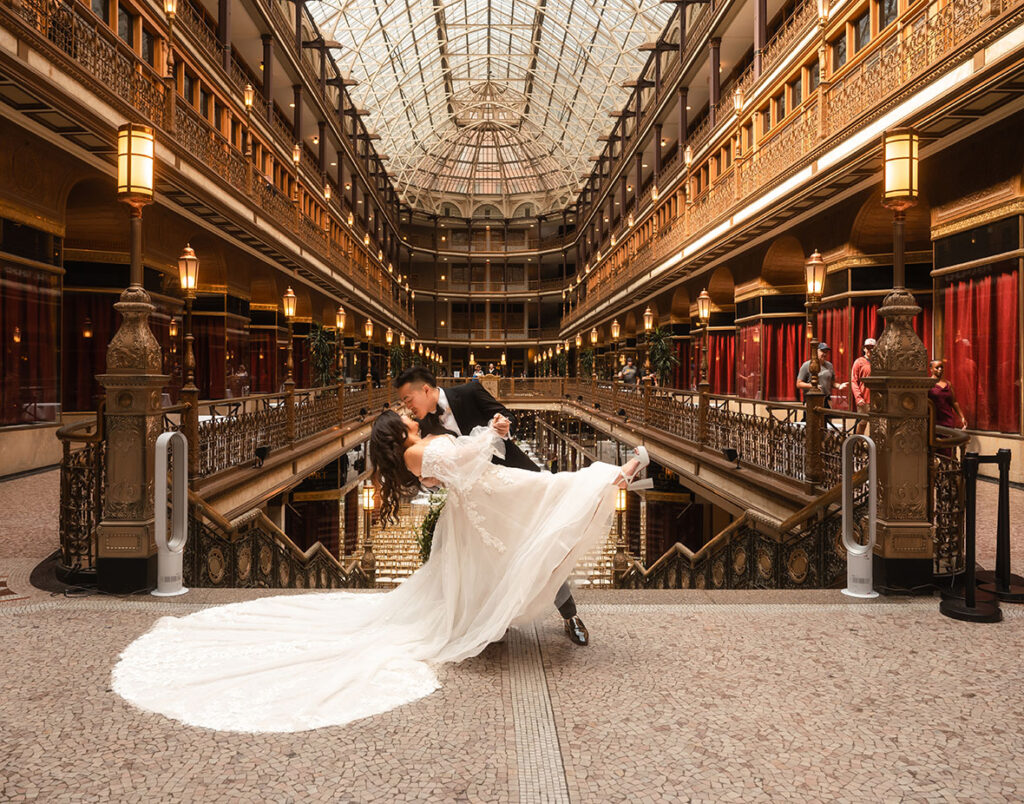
{"x":440,"y":410}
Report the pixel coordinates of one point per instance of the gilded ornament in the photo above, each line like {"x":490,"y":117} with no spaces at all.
{"x":243,"y":562}
{"x":266,"y":560}
{"x":718,"y":573}
{"x":739,"y":561}
{"x":764,"y":564}
{"x":798,"y":565}
{"x":215,"y":565}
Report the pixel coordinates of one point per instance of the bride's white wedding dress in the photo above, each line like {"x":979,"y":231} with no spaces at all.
{"x":505,"y":541}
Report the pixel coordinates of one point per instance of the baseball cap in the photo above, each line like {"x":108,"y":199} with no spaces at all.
{"x":824,"y":347}
{"x":870,"y":342}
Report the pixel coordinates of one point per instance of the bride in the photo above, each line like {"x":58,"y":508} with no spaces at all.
{"x":505,"y":541}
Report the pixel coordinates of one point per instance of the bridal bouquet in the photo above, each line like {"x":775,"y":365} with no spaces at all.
{"x":426,"y":537}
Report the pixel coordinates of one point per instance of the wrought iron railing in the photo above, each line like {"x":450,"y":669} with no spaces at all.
{"x":81,"y":496}
{"x":803,"y":552}
{"x":946,"y":499}
{"x":255,"y":553}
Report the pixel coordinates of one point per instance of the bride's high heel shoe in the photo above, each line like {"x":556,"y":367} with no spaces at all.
{"x":633,"y":481}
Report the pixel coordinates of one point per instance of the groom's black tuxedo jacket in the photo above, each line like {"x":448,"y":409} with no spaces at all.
{"x":473,"y":406}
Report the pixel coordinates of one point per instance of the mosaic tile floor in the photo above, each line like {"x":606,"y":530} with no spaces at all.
{"x":727,"y":696}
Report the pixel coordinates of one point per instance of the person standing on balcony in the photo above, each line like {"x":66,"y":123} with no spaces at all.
{"x":947,"y":409}
{"x":628,"y":372}
{"x":860,"y":372}
{"x":457,"y":411}
{"x":826,"y":375}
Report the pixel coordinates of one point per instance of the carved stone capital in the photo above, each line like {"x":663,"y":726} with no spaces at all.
{"x":134,"y":349}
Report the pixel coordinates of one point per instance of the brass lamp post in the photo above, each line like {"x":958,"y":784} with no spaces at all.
{"x":901,"y":189}
{"x":579,"y":343}
{"x":339,"y":323}
{"x":593,"y":346}
{"x":814,"y":270}
{"x":704,"y":316}
{"x":389,"y":337}
{"x":188,"y":279}
{"x":368,"y":563}
{"x":368,"y":332}
{"x":619,"y":562}
{"x":648,"y":326}
{"x":136,"y":153}
{"x":289,"y":302}
{"x":171,"y":12}
{"x":616,"y":329}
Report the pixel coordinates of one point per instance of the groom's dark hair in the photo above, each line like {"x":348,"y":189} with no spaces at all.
{"x":416,"y":374}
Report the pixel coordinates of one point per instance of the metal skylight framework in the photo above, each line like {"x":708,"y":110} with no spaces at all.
{"x":489,"y":101}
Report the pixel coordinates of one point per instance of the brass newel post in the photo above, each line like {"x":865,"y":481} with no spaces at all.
{"x":814,"y":399}
{"x":703,"y":386}
{"x":899,"y":400}
{"x":289,"y":382}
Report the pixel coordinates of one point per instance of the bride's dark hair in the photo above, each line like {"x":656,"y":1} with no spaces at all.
{"x":390,"y":474}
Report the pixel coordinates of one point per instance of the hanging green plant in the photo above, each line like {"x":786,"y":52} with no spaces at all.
{"x":322,"y":355}
{"x":661,"y":353}
{"x":426,"y":537}
{"x":586,"y":363}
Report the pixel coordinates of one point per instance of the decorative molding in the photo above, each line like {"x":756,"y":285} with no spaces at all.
{"x":1014,"y":207}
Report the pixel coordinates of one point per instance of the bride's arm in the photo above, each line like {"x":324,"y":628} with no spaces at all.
{"x":414,"y":463}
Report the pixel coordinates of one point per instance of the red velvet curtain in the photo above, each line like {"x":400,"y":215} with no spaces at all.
{"x":263,"y":361}
{"x":784,"y":347}
{"x":681,"y":372}
{"x":982,"y":346}
{"x":721,"y":362}
{"x":29,"y":307}
{"x":748,"y":361}
{"x":209,"y":351}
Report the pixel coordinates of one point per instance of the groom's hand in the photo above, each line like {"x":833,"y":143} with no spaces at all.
{"x":501,"y":425}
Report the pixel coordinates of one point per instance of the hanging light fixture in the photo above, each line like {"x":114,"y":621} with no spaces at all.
{"x":136,"y":149}
{"x":369,"y":503}
{"x":704,"y":307}
{"x":901,"y":188}
{"x":188,"y":271}
{"x":290,"y":301}
{"x":814,"y":271}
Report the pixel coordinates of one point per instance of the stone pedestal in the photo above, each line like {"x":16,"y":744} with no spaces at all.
{"x":899,"y":386}
{"x":126,"y":560}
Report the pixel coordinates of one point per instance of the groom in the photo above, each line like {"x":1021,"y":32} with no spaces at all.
{"x":458,"y":410}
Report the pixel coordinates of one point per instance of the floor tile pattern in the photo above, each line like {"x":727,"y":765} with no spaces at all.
{"x":539,"y":760}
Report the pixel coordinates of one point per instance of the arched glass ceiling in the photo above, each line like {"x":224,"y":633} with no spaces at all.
{"x":478,"y":100}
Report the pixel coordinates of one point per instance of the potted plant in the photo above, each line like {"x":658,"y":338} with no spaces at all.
{"x":661,"y":353}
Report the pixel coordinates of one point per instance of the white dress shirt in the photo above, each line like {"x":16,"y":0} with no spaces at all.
{"x":448,"y":419}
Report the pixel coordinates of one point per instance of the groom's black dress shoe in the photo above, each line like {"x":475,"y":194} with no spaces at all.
{"x":577,"y":631}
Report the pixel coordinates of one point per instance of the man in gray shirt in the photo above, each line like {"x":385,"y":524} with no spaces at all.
{"x":826,"y":374}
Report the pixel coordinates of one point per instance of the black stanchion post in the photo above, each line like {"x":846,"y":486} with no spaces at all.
{"x":968,"y":607}
{"x":1004,"y":585}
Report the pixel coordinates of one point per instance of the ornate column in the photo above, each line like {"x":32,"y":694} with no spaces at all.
{"x":899,"y":386}
{"x":133,"y":419}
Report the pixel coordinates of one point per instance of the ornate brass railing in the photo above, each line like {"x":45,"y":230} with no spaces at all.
{"x":803,"y":552}
{"x":230,"y":431}
{"x":81,"y":46}
{"x":81,"y":496}
{"x":255,"y":553}
{"x":946,"y":501}
{"x":923,"y":42}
